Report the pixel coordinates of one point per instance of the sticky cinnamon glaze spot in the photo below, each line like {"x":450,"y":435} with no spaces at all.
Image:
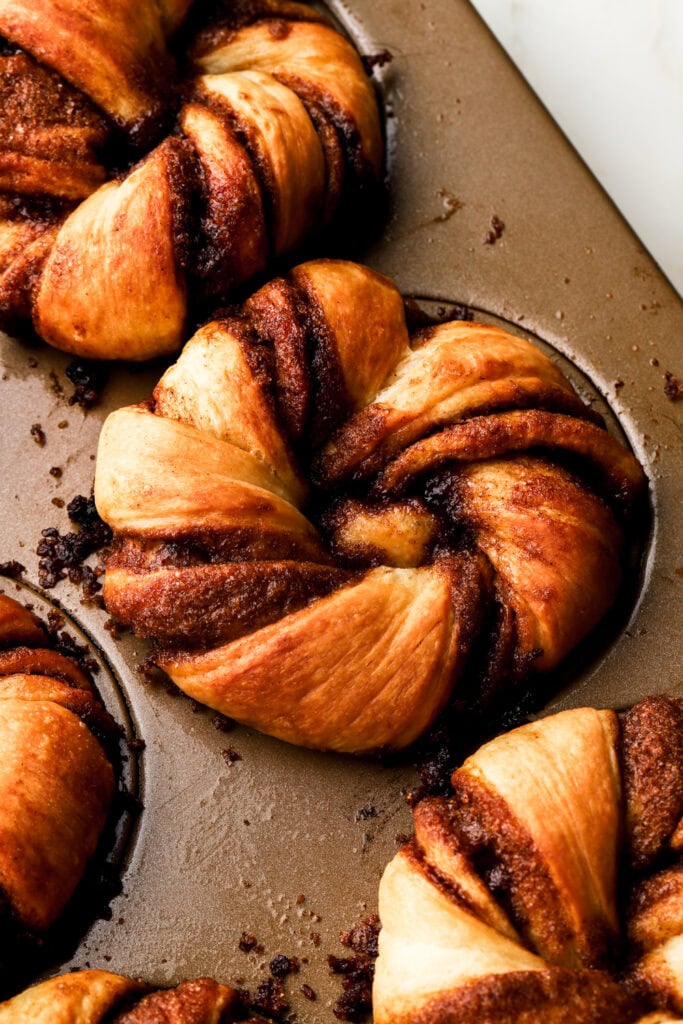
{"x":486,"y":437}
{"x":449,"y":867}
{"x":330,"y":400}
{"x":207,"y":547}
{"x":230,"y":216}
{"x":342,"y":144}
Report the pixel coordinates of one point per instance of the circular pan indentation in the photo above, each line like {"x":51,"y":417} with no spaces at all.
{"x":102,"y":879}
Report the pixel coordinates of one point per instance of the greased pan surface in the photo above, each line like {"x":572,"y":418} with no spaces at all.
{"x":491,"y":207}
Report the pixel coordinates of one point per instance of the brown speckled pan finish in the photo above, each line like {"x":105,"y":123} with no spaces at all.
{"x":223,"y":849}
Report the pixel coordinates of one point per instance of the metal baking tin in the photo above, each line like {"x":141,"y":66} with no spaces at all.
{"x":224,"y":849}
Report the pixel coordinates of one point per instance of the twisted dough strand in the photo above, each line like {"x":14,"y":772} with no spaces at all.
{"x":277,"y":134}
{"x":436,"y":468}
{"x":93,"y":997}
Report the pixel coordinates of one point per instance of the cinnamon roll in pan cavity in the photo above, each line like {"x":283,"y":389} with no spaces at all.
{"x":156,"y":156}
{"x":524,"y":895}
{"x":58,"y":775}
{"x":332,"y":528}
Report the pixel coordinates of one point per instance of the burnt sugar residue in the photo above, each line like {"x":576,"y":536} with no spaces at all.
{"x":366,"y":812}
{"x":270,"y":999}
{"x":65,"y":643}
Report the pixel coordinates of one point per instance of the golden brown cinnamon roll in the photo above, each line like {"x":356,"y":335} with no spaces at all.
{"x":439,"y":964}
{"x":96,"y":997}
{"x":278,"y":131}
{"x":56,"y":780}
{"x":318,"y":518}
{"x":505,"y":905}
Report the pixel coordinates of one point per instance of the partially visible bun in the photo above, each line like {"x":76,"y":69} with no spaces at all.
{"x":96,"y":997}
{"x":277,"y":134}
{"x":505,"y":906}
{"x":56,"y":777}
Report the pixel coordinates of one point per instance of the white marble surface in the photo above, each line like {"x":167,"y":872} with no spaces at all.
{"x":611,"y":74}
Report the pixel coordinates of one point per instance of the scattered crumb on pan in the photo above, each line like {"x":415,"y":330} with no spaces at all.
{"x":357,"y":971}
{"x":12,"y":570}
{"x":89,"y":379}
{"x":495,"y":231}
{"x":673,"y":388}
{"x":65,"y":555}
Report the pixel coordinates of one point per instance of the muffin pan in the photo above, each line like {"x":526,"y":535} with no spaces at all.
{"x":490,"y":207}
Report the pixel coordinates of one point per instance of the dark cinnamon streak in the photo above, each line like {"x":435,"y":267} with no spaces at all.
{"x":330,"y":400}
{"x":196,"y":607}
{"x":527,"y":997}
{"x":51,"y":136}
{"x":279,"y":321}
{"x":652,"y":738}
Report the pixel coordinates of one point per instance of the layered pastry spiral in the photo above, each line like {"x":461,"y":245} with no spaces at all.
{"x":56,"y":779}
{"x":277,"y":133}
{"x":554,"y":865}
{"x":329,"y":526}
{"x":98,"y":997}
